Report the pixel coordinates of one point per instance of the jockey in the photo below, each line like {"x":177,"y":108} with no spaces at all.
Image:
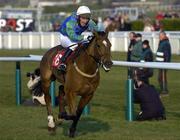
{"x":71,"y":32}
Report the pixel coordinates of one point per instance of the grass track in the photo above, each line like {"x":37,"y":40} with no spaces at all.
{"x":107,"y":118}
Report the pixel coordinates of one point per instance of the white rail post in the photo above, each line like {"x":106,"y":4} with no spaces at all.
{"x":52,"y":39}
{"x":154,"y":42}
{"x":30,"y":40}
{"x":0,"y":41}
{"x":19,"y":40}
{"x":126,"y":41}
{"x":41,"y":40}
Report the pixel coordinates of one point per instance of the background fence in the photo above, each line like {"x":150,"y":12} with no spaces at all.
{"x":45,"y":40}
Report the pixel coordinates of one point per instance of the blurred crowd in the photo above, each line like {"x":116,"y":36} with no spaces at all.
{"x":167,"y":15}
{"x":118,"y":22}
{"x":110,"y":23}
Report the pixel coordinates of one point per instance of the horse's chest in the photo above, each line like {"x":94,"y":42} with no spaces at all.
{"x":89,"y":86}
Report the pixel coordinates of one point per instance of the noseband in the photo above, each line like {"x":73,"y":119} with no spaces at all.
{"x":85,"y":74}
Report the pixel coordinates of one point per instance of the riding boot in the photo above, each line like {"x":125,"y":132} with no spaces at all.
{"x":85,"y":44}
{"x":63,"y":59}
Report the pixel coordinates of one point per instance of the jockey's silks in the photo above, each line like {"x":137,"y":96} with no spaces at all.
{"x":71,"y":28}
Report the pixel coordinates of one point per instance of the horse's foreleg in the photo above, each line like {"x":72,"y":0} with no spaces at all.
{"x":51,"y":122}
{"x":71,"y":102}
{"x":62,"y":111}
{"x":82,"y":103}
{"x":62,"y":102}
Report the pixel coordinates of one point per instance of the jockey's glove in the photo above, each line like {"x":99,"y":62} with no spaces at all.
{"x":87,"y":36}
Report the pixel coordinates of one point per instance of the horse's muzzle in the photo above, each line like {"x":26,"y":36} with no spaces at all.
{"x":107,"y":65}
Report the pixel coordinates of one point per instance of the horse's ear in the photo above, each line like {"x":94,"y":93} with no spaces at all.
{"x":107,"y":32}
{"x":95,"y":34}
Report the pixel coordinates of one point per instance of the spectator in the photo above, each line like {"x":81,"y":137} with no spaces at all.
{"x":158,"y":25}
{"x":163,"y":55}
{"x":160,"y":16}
{"x":131,"y":44}
{"x":148,"y":27}
{"x":167,"y":15}
{"x":113,"y":26}
{"x":147,"y":56}
{"x":107,"y":21}
{"x":130,"y":47}
{"x":125,"y":24}
{"x":148,"y":98}
{"x":56,"y":26}
{"x":137,"y":49}
{"x":34,"y":86}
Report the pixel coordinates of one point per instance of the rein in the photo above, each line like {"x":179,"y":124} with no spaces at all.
{"x":85,"y":74}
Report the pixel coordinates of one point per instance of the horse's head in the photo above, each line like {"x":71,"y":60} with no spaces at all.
{"x":102,"y":49}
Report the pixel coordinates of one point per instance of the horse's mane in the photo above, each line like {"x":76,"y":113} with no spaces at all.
{"x":101,"y":33}
{"x":83,"y":48}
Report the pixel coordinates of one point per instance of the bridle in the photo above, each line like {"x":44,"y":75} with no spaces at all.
{"x":97,"y":60}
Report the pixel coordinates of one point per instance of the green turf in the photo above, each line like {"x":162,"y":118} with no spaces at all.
{"x":107,"y":118}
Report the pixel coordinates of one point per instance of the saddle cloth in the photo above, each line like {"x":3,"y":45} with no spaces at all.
{"x":57,"y":58}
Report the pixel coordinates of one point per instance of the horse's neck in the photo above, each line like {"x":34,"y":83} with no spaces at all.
{"x":86,"y":62}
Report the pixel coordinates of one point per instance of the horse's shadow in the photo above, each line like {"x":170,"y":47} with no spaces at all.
{"x":86,"y":125}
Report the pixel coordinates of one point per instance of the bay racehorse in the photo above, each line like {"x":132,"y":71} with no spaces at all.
{"x":81,"y":78}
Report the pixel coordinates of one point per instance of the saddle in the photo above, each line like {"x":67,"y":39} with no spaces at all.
{"x":57,"y":58}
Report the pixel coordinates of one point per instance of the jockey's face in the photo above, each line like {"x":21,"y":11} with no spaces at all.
{"x":83,"y":20}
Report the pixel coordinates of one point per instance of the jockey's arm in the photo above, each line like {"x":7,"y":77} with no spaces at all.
{"x":71,"y":32}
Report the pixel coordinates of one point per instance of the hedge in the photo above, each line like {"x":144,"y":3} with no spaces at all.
{"x":168,"y":25}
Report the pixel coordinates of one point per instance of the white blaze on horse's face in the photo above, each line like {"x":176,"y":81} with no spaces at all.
{"x":105,"y":43}
{"x":106,"y":62}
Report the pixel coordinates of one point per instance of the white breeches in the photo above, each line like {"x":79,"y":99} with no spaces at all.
{"x":66,"y":42}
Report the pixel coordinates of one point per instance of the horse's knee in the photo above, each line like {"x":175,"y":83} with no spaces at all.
{"x":72,"y":107}
{"x":70,"y":99}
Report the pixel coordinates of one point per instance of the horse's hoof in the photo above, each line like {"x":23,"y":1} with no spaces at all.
{"x":72,"y":133}
{"x":52,"y":130}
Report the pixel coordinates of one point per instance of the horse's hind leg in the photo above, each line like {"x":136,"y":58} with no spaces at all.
{"x":45,"y":88}
{"x":82,"y":103}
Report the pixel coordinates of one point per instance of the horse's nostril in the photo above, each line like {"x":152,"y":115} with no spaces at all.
{"x":108,"y":63}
